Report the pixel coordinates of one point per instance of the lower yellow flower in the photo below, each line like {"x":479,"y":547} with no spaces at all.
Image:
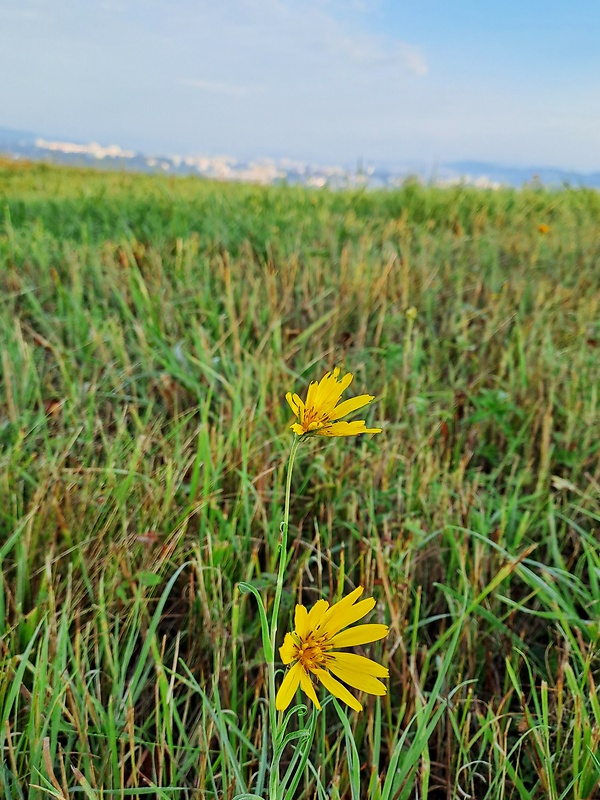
{"x":312,"y":648}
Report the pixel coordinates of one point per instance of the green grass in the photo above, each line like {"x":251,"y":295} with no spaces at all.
{"x":150,"y":328}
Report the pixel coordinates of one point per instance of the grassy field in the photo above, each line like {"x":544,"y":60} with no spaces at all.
{"x":150,"y":329}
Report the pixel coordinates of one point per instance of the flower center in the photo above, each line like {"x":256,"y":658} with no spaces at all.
{"x":313,"y":420}
{"x":311,"y":653}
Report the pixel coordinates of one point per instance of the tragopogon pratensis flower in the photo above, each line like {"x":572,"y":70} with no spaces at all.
{"x":312,"y":649}
{"x":322,"y":408}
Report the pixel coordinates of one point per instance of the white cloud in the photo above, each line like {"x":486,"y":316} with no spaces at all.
{"x":370,"y":51}
{"x":222,"y":88}
{"x":414,"y":59}
{"x":26,"y":14}
{"x":300,"y":35}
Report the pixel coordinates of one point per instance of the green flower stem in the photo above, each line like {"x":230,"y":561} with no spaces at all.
{"x":283,"y":543}
{"x":282,"y":558}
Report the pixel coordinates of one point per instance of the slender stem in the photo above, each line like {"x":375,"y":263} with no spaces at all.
{"x":282,"y":559}
{"x":282,"y":553}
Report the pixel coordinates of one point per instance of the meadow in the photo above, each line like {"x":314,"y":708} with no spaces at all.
{"x":150,"y":329}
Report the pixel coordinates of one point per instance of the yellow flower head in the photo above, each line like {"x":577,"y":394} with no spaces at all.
{"x":543,"y":228}
{"x":313,"y":648}
{"x":322,"y":408}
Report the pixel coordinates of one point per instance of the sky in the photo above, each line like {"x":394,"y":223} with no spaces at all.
{"x":389,"y":82}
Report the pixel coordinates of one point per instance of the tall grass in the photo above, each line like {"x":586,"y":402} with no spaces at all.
{"x":150,"y":328}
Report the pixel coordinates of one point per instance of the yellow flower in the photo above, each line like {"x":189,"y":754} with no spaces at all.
{"x":318,"y":414}
{"x":543,"y":228}
{"x":312,"y":648}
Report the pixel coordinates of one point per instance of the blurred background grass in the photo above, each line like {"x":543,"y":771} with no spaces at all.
{"x":150,"y":329}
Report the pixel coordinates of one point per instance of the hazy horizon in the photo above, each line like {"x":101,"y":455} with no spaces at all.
{"x":322,"y":81}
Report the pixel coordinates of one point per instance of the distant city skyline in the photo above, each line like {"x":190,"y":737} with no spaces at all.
{"x":332,"y":81}
{"x":21,"y":145}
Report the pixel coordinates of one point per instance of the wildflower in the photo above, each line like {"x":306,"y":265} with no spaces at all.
{"x":312,"y":648}
{"x":543,"y":228}
{"x":320,"y":411}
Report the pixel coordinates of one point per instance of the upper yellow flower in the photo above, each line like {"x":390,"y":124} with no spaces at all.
{"x":311,"y":648}
{"x":318,"y":414}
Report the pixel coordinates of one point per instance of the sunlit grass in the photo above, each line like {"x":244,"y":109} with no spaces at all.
{"x":150,"y":331}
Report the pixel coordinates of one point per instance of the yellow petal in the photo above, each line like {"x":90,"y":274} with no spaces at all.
{"x":311,"y":394}
{"x":358,"y":680}
{"x":301,"y":625}
{"x":343,"y":604}
{"x":321,"y":390}
{"x":345,"y":613}
{"x":288,"y":650}
{"x":357,"y":663}
{"x":362,"y":634}
{"x":315,"y":615}
{"x":337,"y":689}
{"x":298,"y":429}
{"x":291,"y":404}
{"x":300,"y":404}
{"x":288,"y":687}
{"x":321,"y":385}
{"x":307,"y":687}
{"x":349,"y":616}
{"x":348,"y":406}
{"x":334,"y":391}
{"x":347,"y":429}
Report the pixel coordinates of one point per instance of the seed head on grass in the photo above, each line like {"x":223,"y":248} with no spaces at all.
{"x":312,"y":648}
{"x":320,"y":412}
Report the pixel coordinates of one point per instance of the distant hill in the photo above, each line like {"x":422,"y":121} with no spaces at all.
{"x":32,"y":146}
{"x":12,"y":138}
{"x":517,"y":176}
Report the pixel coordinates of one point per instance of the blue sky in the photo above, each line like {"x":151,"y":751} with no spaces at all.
{"x":514,"y":82}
